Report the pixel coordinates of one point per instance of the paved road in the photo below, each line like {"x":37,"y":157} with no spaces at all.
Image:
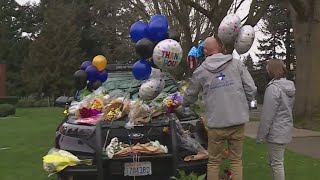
{"x":304,"y":141}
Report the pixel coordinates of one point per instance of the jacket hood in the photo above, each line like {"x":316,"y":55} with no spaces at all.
{"x":217,"y":62}
{"x":285,"y":85}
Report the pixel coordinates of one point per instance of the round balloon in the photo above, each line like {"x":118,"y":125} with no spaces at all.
{"x":167,"y":54}
{"x":229,"y":28}
{"x":173,"y":35}
{"x":245,"y":39}
{"x":103,"y":76}
{"x":151,"y":89}
{"x":80,"y":79}
{"x":159,"y":17}
{"x":144,"y":48}
{"x":156,"y":74}
{"x":92,"y":73}
{"x":141,"y":70}
{"x":138,"y":31}
{"x":100,"y":62}
{"x":85,"y":64}
{"x":80,"y":76}
{"x":93,"y":85}
{"x":157,"y":30}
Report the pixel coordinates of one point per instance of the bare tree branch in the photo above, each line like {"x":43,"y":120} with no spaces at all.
{"x":199,"y":8}
{"x":299,"y":8}
{"x":255,"y":14}
{"x":156,"y":6}
{"x":141,"y":7}
{"x":239,"y":5}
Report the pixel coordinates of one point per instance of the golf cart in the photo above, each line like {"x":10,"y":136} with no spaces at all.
{"x":88,"y":141}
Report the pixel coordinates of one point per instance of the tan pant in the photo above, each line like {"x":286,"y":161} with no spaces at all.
{"x":234,"y":136}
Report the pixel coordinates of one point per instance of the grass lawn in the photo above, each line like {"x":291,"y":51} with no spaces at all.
{"x":28,"y":137}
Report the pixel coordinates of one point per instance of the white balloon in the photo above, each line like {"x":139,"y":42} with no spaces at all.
{"x":245,"y":39}
{"x":167,"y":54}
{"x":151,"y":89}
{"x":156,"y":74}
{"x":229,"y":28}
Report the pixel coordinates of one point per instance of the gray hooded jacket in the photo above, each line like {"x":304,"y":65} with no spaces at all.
{"x":276,"y":119}
{"x":227,"y":90}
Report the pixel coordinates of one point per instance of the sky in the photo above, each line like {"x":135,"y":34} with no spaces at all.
{"x":242,"y":12}
{"x":25,"y":1}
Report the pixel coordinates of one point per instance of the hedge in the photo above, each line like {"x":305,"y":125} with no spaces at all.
{"x":7,"y":109}
{"x":13,"y":100}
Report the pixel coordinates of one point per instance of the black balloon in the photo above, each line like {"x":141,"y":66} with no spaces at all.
{"x":93,"y":85}
{"x":80,"y":79}
{"x":173,"y":35}
{"x":144,"y":48}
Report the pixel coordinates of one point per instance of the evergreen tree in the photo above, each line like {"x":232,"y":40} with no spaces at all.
{"x":55,"y":54}
{"x":248,"y":62}
{"x":279,"y":41}
{"x":13,"y":46}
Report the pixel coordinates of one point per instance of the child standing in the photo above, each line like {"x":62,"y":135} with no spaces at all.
{"x":277,"y":120}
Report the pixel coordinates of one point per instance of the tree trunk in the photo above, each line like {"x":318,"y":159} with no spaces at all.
{"x":306,"y":24}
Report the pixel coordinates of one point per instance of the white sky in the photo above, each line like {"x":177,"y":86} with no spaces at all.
{"x":25,"y":1}
{"x":242,"y":12}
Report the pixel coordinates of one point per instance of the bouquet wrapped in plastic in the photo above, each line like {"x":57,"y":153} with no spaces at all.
{"x":56,"y":160}
{"x":190,"y":144}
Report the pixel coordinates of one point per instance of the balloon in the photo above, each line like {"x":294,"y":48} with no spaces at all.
{"x":80,"y":79}
{"x":173,"y":35}
{"x":80,"y":76}
{"x":229,"y":28}
{"x":167,"y":54}
{"x":85,"y":64}
{"x":93,"y":85}
{"x":103,"y":76}
{"x":92,"y":73}
{"x":144,"y":48}
{"x":157,"y":30}
{"x":100,"y":62}
{"x":141,"y":70}
{"x":245,"y":39}
{"x":159,"y":17}
{"x":138,"y":31}
{"x":151,"y":89}
{"x":156,"y":74}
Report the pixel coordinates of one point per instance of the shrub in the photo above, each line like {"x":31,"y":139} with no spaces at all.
{"x":41,"y":103}
{"x":27,"y":102}
{"x":7,"y":109}
{"x":13,"y":100}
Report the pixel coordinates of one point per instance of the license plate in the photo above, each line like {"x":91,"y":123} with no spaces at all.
{"x":137,"y":169}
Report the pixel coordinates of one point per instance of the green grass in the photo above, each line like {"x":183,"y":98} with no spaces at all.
{"x":30,"y":135}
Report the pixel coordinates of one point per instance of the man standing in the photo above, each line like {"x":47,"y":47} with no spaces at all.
{"x":227,"y":90}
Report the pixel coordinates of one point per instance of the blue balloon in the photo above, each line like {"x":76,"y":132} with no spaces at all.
{"x":92,"y":72}
{"x":159,"y":17}
{"x":103,"y":76}
{"x":157,"y":30}
{"x":141,"y":70}
{"x":138,"y":31}
{"x":85,"y":64}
